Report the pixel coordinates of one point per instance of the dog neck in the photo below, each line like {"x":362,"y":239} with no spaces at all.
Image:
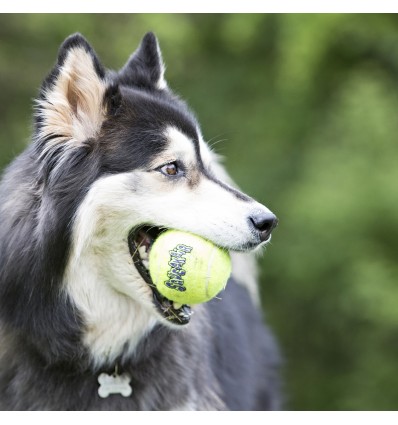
{"x":113,"y":323}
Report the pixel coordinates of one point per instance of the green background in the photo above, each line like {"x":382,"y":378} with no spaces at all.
{"x":304,"y":108}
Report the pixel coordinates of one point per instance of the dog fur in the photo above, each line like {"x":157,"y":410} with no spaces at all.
{"x":72,"y":303}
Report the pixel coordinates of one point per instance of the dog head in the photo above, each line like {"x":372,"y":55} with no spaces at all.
{"x":130,"y":157}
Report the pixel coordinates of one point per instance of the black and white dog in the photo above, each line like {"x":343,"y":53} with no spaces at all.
{"x":115,"y":158}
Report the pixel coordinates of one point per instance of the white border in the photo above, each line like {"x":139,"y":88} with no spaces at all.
{"x":180,"y":6}
{"x":198,"y":418}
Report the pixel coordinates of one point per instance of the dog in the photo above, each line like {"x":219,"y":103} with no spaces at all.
{"x":115,"y":159}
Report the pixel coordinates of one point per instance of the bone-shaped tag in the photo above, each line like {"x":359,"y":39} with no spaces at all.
{"x":114,"y":384}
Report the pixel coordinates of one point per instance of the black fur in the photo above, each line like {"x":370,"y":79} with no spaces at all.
{"x":43,"y":363}
{"x":143,"y":69}
{"x":162,"y":369}
{"x":73,"y":41}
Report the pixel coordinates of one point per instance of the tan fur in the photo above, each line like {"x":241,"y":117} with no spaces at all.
{"x":73,"y":107}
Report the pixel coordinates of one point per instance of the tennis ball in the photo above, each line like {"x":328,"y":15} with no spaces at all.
{"x":188,"y":269}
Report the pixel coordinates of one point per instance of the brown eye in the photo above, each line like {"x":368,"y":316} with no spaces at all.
{"x":170,"y":169}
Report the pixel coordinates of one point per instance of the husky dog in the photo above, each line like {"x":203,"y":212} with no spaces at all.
{"x":115,"y":159}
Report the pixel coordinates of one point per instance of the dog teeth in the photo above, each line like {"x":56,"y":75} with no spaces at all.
{"x":143,"y":253}
{"x":177,"y":306}
{"x":145,"y":263}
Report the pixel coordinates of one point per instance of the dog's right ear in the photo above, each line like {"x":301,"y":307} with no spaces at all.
{"x":74,"y":98}
{"x":145,"y":66}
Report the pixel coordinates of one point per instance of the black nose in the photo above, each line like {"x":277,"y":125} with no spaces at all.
{"x":264,"y":223}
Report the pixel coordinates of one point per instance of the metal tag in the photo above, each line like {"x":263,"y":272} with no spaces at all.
{"x":114,"y":384}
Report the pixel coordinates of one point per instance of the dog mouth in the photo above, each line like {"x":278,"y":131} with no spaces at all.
{"x":140,"y":241}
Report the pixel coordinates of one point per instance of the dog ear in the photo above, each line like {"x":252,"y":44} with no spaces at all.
{"x":71,"y":106}
{"x":145,"y":66}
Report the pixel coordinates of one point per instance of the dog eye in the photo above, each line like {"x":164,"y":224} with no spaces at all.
{"x":170,"y":169}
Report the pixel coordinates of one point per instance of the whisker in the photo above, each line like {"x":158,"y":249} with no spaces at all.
{"x":216,"y":143}
{"x":137,"y":248}
{"x":215,"y":137}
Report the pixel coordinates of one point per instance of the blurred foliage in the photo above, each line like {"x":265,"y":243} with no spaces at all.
{"x":305,"y":110}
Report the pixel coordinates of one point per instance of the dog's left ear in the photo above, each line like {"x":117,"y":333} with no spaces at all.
{"x":145,"y":67}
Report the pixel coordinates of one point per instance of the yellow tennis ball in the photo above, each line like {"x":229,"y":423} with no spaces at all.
{"x":188,"y":269}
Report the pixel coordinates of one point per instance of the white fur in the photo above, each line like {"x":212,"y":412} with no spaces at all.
{"x":103,"y":282}
{"x":161,"y":84}
{"x":244,"y":264}
{"x":180,"y":147}
{"x":101,"y":278}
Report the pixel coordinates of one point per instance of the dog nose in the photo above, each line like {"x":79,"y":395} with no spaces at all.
{"x":264,"y":223}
